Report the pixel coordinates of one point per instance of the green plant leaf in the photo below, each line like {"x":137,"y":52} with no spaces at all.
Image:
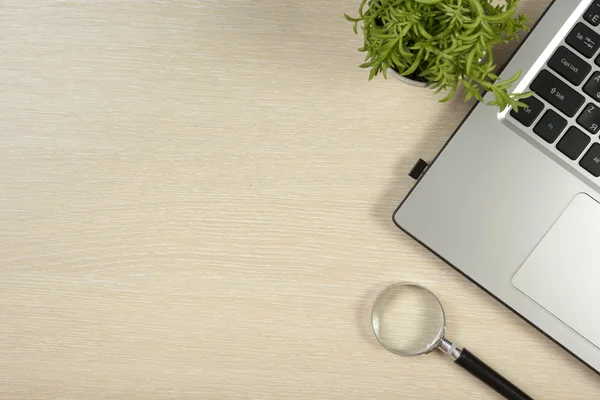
{"x":470,"y":59}
{"x":451,"y":93}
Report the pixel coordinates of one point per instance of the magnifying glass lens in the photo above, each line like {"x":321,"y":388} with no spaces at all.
{"x":408,"y":320}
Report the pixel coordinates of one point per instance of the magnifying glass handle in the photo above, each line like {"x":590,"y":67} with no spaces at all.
{"x":481,"y":370}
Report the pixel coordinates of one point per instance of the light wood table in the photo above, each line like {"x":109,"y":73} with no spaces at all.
{"x":195,"y":203}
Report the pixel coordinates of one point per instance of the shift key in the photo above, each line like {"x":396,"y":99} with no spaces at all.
{"x":557,"y":93}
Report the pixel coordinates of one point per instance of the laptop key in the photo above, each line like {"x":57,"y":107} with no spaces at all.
{"x":557,"y":93}
{"x":590,"y":118}
{"x":573,"y":143}
{"x":592,"y":15}
{"x":592,"y":86}
{"x":591,"y":160}
{"x":527,"y":115}
{"x":584,"y":40}
{"x":550,"y":126}
{"x":569,"y":65}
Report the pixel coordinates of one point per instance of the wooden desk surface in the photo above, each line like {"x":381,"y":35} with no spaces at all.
{"x":196,"y":202}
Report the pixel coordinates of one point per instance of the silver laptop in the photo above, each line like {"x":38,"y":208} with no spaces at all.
{"x":513,"y":199}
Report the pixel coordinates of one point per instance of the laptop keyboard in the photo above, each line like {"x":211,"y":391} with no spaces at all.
{"x":565,"y":110}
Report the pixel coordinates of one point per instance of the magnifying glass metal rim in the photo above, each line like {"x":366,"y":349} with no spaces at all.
{"x":433,"y":345}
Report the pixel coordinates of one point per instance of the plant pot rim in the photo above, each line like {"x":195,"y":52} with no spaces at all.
{"x":404,"y":79}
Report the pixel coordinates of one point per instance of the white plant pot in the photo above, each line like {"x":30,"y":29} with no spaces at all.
{"x":408,"y":81}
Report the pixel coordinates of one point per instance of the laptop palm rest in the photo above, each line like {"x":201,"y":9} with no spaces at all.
{"x":563,"y":272}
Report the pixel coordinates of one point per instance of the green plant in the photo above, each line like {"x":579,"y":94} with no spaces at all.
{"x":445,"y":43}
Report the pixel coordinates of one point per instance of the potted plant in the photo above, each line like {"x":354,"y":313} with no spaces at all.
{"x":441,"y":44}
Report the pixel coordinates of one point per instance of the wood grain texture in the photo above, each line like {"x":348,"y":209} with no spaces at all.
{"x":196,"y":202}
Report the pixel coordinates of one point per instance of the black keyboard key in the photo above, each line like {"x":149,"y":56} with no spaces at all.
{"x":569,"y":65}
{"x":550,"y":126}
{"x":527,"y":115}
{"x":598,"y":61}
{"x":592,"y":86}
{"x":590,"y":118}
{"x":592,"y":15}
{"x":573,"y":143}
{"x":584,"y":40}
{"x":591,"y":161}
{"x":557,"y":93}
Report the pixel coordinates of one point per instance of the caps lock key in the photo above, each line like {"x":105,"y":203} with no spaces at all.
{"x":569,"y":66}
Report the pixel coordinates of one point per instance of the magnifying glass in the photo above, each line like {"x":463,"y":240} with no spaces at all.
{"x":409,"y":320}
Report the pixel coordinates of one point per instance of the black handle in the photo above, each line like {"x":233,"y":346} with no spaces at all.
{"x":487,"y":375}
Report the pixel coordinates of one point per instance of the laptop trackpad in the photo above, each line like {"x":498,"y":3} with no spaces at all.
{"x":563,"y":272}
